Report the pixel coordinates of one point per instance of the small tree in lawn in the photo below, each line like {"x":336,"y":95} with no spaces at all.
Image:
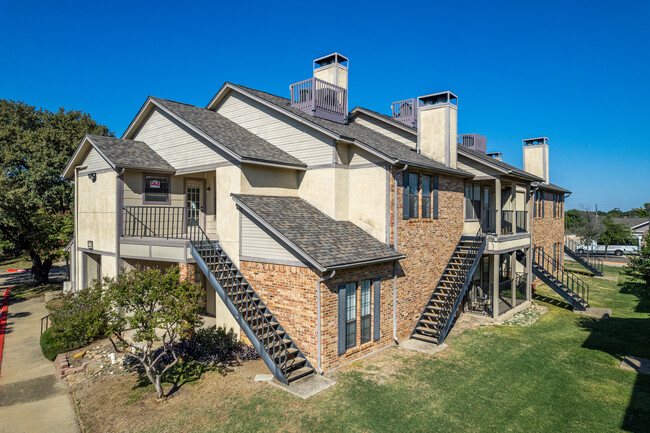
{"x":639,"y":267}
{"x":157,"y":309}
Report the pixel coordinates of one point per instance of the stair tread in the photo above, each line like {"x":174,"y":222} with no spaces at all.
{"x":425,"y":338}
{"x":301,"y":372}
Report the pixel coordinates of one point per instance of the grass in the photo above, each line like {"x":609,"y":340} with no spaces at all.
{"x":14,"y":263}
{"x":560,"y":374}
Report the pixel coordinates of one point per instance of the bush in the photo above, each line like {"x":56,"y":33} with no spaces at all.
{"x":212,"y":346}
{"x":77,"y":319}
{"x":52,"y":344}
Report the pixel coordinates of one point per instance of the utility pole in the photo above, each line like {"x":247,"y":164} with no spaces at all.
{"x":596,"y":212}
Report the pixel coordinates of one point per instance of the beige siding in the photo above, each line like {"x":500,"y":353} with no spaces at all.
{"x":175,"y":143}
{"x":94,"y":162}
{"x":291,"y":136}
{"x":387,"y":130}
{"x":475,"y":168}
{"x":256,"y":243}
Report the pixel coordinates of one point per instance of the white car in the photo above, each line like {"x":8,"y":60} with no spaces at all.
{"x":594,"y":248}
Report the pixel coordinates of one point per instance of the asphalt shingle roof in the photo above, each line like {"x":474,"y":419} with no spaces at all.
{"x":510,"y":169}
{"x":129,"y":153}
{"x":386,"y":118}
{"x":552,"y":187}
{"x":329,"y":242}
{"x":232,"y":136}
{"x":353,"y":132}
{"x":631,"y":222}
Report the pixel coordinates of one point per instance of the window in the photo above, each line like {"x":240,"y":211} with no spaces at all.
{"x":415,"y":183}
{"x":538,"y":210}
{"x":427,"y":188}
{"x":472,"y":201}
{"x":350,"y":315}
{"x":414,"y":194}
{"x":156,"y":189}
{"x":365,"y":311}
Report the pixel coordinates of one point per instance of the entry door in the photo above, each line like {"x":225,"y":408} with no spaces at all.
{"x":194,"y":203}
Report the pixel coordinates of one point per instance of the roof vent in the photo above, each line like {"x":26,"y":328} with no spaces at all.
{"x":473,"y":141}
{"x":495,"y":155}
{"x":406,"y":112}
{"x":324,"y":95}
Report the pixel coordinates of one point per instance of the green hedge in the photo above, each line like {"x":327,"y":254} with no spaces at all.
{"x":52,"y":344}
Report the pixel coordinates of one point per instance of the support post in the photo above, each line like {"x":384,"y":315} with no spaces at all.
{"x":497,"y":205}
{"x":529,"y":273}
{"x":494,"y":260}
{"x":513,"y":282}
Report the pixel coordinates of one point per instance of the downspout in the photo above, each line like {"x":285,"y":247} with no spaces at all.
{"x":118,"y":217}
{"x":318,"y":320}
{"x":395,"y":263}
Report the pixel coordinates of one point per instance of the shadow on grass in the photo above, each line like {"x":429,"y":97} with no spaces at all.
{"x":620,"y":337}
{"x":552,"y":301}
{"x":183,"y":373}
{"x":642,"y":293}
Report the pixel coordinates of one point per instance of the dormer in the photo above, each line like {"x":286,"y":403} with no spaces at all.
{"x":324,"y":95}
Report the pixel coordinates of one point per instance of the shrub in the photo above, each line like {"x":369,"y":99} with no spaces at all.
{"x":77,"y":319}
{"x":52,"y":344}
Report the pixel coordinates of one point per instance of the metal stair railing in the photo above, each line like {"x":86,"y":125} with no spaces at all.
{"x":236,"y":287}
{"x":575,"y":252}
{"x":459,"y":282}
{"x":555,"y":269}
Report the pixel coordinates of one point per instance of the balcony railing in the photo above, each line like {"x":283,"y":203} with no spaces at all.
{"x":479,"y":295}
{"x":406,"y":111}
{"x":154,"y":222}
{"x":320,"y":98}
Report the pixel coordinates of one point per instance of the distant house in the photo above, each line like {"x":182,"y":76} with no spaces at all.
{"x":639,"y":226}
{"x":318,"y":233}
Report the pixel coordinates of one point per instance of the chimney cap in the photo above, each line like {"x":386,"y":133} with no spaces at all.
{"x":535,"y":141}
{"x":331,"y":59}
{"x":438,"y":98}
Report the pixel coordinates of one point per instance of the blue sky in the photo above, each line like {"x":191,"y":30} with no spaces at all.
{"x":576,"y":72}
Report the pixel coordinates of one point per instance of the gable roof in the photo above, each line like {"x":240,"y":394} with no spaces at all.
{"x":248,"y":146}
{"x":311,"y":234}
{"x":376,"y":143}
{"x":552,"y":187}
{"x":501,"y":166}
{"x":388,"y":119}
{"x":120,"y":153}
{"x":632,"y":223}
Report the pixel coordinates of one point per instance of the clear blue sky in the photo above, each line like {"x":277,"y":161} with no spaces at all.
{"x":576,"y":72}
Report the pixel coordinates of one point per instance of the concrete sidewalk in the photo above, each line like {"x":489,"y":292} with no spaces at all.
{"x":32,"y":398}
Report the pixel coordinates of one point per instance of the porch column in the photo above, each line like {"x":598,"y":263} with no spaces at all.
{"x":513,"y":282}
{"x":497,"y":205}
{"x":529,"y":273}
{"x":187,"y":271}
{"x":494,"y":258}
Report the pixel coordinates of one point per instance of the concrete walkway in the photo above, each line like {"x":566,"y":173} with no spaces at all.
{"x":32,"y":398}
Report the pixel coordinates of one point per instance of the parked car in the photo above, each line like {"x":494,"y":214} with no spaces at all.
{"x":631,"y":247}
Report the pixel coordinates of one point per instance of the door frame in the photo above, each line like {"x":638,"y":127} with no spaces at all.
{"x":202,"y":208}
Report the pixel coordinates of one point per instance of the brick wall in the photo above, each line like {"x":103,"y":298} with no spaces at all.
{"x":290,"y":293}
{"x":187,"y":271}
{"x":428,"y":245}
{"x":548,"y":230}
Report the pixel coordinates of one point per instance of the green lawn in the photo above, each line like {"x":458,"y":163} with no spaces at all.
{"x":559,"y":375}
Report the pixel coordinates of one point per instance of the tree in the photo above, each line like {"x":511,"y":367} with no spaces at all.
{"x":614,"y":234}
{"x":574,"y":220}
{"x":592,"y":227}
{"x":35,"y":146}
{"x":639,"y":268}
{"x":157,"y":308}
{"x":50,"y":231}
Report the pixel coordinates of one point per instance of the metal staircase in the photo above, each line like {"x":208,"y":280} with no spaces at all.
{"x":277,"y":349}
{"x":553,"y":274}
{"x":592,"y":264}
{"x":438,"y":316}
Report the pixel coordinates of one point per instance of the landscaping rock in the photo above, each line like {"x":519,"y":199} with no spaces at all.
{"x":79,"y":354}
{"x":526,"y":317}
{"x":263,"y":377}
{"x":633,"y":363}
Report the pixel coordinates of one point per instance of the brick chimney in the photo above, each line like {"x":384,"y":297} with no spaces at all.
{"x":536,"y":157}
{"x":437,"y":120}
